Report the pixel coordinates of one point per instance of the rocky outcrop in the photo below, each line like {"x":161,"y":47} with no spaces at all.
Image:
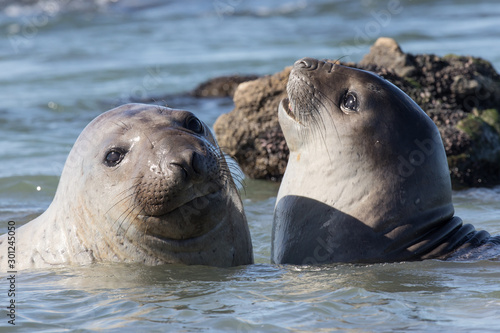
{"x":222,"y":86}
{"x":251,"y":133}
{"x":460,"y":93}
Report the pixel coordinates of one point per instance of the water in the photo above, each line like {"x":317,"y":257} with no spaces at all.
{"x":64,"y":62}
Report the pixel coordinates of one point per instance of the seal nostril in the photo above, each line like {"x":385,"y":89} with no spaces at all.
{"x":197,"y":163}
{"x":188,"y":165}
{"x":308,"y":63}
{"x":302,"y":63}
{"x":184,"y":171}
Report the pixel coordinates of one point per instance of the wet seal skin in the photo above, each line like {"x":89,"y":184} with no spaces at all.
{"x":367,"y":179}
{"x":145,"y":184}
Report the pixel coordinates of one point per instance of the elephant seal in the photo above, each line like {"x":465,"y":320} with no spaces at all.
{"x":145,"y":184}
{"x":367,"y":178}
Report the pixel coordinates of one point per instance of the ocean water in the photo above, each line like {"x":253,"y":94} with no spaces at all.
{"x":64,"y":62}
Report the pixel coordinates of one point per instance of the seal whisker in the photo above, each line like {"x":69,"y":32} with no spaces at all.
{"x":132,"y":188}
{"x":125,"y":213}
{"x":155,"y":101}
{"x":150,"y":141}
{"x":118,"y":202}
{"x":237,"y":175}
{"x":315,"y":117}
{"x":133,"y":193}
{"x":128,"y":212}
{"x":308,"y":110}
{"x":229,"y":169}
{"x":236,"y":180}
{"x":231,"y":164}
{"x":321,"y":125}
{"x":158,"y":108}
{"x":121,"y":124}
{"x":132,"y":209}
{"x":337,"y":61}
{"x":330,"y":116}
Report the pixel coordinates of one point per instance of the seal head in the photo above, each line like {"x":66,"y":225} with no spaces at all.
{"x":142,"y":183}
{"x":367,"y":178}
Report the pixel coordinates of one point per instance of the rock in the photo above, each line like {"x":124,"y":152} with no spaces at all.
{"x":222,"y":86}
{"x":387,"y":53}
{"x":461,"y":94}
{"x":479,"y":162}
{"x":251,"y":132}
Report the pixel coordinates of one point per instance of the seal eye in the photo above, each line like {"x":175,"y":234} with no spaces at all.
{"x":349,"y":102}
{"x":194,"y":124}
{"x":114,"y":157}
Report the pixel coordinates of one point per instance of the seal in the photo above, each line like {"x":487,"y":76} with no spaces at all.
{"x":367,"y":178}
{"x":142,"y":183}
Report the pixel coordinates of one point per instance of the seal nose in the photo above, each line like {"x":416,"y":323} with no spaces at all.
{"x":306,"y":63}
{"x":188,"y":164}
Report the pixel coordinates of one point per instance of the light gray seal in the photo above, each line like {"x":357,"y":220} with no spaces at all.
{"x":145,"y":184}
{"x":367,"y":179}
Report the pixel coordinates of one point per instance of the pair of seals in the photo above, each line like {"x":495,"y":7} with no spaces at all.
{"x":142,"y":183}
{"x":367,"y":178}
{"x":367,"y":181}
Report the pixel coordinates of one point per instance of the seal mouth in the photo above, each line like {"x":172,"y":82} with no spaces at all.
{"x":191,"y":202}
{"x":191,"y":244}
{"x":287,"y":106}
{"x":186,"y":220}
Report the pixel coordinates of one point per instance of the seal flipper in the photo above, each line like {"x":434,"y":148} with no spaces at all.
{"x":463,"y":237}
{"x":460,"y":240}
{"x":443,"y":241}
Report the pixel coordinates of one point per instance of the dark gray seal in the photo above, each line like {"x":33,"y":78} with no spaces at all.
{"x":145,"y":184}
{"x":367,"y":178}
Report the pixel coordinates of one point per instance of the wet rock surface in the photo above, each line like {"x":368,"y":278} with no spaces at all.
{"x":251,"y":132}
{"x":461,"y":94}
